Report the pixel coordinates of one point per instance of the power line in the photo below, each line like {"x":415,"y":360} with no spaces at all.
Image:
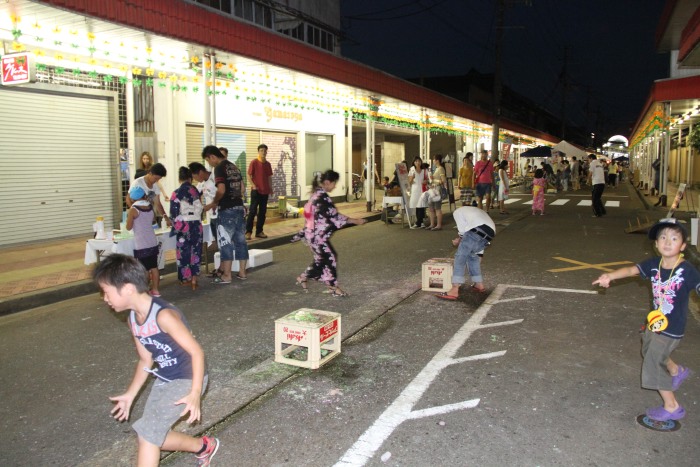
{"x":367,"y":16}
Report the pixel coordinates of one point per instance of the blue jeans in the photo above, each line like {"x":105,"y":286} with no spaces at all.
{"x":470,"y":245}
{"x":231,"y":234}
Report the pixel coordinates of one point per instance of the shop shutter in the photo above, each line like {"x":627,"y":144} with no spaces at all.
{"x":59,"y":164}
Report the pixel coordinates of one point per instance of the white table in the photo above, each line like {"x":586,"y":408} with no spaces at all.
{"x":391,"y":200}
{"x":95,"y":249}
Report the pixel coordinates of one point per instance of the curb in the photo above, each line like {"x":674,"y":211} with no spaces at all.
{"x":38,"y":298}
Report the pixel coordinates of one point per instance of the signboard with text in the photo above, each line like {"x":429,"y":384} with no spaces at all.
{"x":18,"y":68}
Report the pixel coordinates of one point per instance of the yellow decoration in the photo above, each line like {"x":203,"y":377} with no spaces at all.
{"x":39,"y":53}
{"x":73,"y":32}
{"x":36,"y":26}
{"x":150,"y":71}
{"x":56,"y":30}
{"x":58,"y":56}
{"x":173,"y":78}
{"x":195,"y":59}
{"x":15,"y":19}
{"x":17,"y":46}
{"x":162,"y":75}
{"x":76,"y":58}
{"x":92,"y":61}
{"x":149,"y":50}
{"x":123,"y":67}
{"x":136,"y":71}
{"x":91,"y":36}
{"x":195,"y":79}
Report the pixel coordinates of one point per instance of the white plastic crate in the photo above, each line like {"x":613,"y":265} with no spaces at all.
{"x":255,"y":258}
{"x":437,"y":274}
{"x":307,"y":338}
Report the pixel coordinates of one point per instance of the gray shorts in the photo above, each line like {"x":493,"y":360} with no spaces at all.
{"x":435,"y":206}
{"x":656,"y":350}
{"x":160,"y":413}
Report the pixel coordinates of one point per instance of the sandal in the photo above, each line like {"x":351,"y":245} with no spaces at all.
{"x":477,"y":289}
{"x":303,"y":284}
{"x":446,"y":296}
{"x":220,"y":280}
{"x":336,"y":292}
{"x":243,"y":278}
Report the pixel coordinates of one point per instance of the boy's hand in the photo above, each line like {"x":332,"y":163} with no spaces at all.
{"x":192,"y":406}
{"x":603,"y":281}
{"x":456,"y":241}
{"x":122,"y":407}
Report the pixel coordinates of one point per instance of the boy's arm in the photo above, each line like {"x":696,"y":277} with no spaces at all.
{"x":169,"y":321}
{"x":124,"y":401}
{"x":605,"y":279}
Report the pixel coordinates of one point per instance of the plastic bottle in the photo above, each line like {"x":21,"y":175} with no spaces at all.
{"x":99,"y":228}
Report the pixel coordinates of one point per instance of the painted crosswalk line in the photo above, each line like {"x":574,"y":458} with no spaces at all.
{"x":612,"y":204}
{"x":585,"y":202}
{"x":559,"y":202}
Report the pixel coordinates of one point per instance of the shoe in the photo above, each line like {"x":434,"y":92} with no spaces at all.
{"x":436,"y":228}
{"x":445,"y":296}
{"x":662,"y":415}
{"x":204,"y":459}
{"x":678,"y":379}
{"x":243,"y":278}
{"x":413,"y":227}
{"x":219,"y":280}
{"x":303,"y":284}
{"x":477,"y":289}
{"x":248,"y":235}
{"x":260,"y":235}
{"x":153,"y":293}
{"x":336,"y":292}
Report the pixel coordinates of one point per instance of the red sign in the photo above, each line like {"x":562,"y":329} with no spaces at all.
{"x":18,"y":68}
{"x":328,"y":331}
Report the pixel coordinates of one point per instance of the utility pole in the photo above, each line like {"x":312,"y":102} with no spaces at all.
{"x":565,"y":89}
{"x":497,"y":80}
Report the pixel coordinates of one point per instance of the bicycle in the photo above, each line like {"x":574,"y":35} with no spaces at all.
{"x":357,"y":186}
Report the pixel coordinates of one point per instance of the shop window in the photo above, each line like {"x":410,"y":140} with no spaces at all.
{"x":319,"y":154}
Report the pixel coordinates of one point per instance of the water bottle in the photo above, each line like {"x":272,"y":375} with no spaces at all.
{"x":99,"y":228}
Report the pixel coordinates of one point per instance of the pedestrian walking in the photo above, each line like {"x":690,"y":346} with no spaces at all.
{"x":161,"y":335}
{"x":466,"y":180}
{"x":186,"y":215}
{"x":260,"y":177}
{"x":539,"y":185}
{"x":575,"y":174}
{"x":503,"y":186}
{"x":475,"y":231}
{"x":483,"y":178}
{"x":672,"y":280}
{"x":321,"y":220}
{"x":596,"y":177}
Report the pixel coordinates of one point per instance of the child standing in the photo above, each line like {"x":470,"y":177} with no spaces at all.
{"x":672,"y":281}
{"x":161,"y":335}
{"x":140,"y":220}
{"x":538,"y":187}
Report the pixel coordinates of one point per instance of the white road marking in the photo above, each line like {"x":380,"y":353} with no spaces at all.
{"x":402,"y":408}
{"x":612,"y":204}
{"x":585,"y":202}
{"x":512,"y":200}
{"x":559,"y":202}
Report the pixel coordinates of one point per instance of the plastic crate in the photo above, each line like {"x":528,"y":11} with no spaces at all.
{"x":307,"y":338}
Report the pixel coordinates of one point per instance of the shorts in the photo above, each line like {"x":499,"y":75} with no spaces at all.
{"x":160,"y":414}
{"x":149,"y":262}
{"x":231,"y":238}
{"x":482,"y":189}
{"x":435,"y":205}
{"x":656,"y":350}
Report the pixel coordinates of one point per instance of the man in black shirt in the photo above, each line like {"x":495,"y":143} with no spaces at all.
{"x":231,"y":221}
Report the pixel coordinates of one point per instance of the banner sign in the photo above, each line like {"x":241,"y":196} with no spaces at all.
{"x":18,"y":69}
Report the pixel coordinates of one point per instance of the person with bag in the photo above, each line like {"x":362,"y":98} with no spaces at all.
{"x":482,"y":180}
{"x":418,"y":181}
{"x":466,"y":180}
{"x":438,"y":181}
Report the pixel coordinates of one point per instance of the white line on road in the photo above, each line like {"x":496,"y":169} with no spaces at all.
{"x":402,"y":408}
{"x":559,"y":202}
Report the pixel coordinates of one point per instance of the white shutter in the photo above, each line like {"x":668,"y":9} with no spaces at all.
{"x":58,"y":163}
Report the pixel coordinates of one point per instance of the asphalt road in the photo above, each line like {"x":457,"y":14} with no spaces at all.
{"x":542,"y":371}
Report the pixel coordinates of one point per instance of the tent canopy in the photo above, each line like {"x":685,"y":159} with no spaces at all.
{"x":570,"y":150}
{"x":539,"y":151}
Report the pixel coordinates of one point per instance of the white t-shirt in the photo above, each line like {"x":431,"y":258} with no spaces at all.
{"x":208,"y":189}
{"x":597,"y":172}
{"x":469,"y":217}
{"x":151,"y":193}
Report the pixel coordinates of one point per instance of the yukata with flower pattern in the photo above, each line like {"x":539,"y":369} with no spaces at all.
{"x":322,"y":219}
{"x":186,"y":215}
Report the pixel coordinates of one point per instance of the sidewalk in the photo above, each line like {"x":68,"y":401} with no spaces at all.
{"x":39,"y":274}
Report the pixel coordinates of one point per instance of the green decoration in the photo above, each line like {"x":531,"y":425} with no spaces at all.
{"x":92,"y":74}
{"x":161,"y":84}
{"x":122,"y":80}
{"x":76,"y":72}
{"x":108,"y":78}
{"x":40,"y":67}
{"x":16,"y":33}
{"x":195,"y":89}
{"x":137,"y":83}
{"x":694,"y":138}
{"x":149,"y":82}
{"x":60,"y":70}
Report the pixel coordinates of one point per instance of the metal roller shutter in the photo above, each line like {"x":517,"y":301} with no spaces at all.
{"x":59,"y":165}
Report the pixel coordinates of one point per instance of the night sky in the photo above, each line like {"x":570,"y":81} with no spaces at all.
{"x":612,"y":60}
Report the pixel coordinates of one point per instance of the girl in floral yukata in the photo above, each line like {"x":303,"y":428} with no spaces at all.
{"x":322,"y":219}
{"x":538,"y":186}
{"x":186,"y":215}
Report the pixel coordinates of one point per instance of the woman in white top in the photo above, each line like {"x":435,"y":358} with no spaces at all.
{"x":440,"y":181}
{"x":503,"y":186}
{"x":417,"y":179}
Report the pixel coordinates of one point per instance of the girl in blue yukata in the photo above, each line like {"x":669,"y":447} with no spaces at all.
{"x":186,"y":215}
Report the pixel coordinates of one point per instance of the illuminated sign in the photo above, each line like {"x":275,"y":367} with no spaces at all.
{"x":18,"y":69}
